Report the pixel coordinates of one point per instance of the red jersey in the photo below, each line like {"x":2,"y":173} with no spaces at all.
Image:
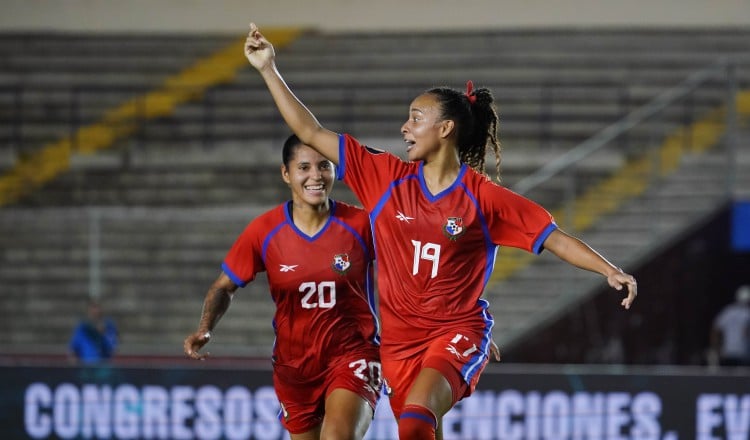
{"x":435,"y":252}
{"x":322,"y":285}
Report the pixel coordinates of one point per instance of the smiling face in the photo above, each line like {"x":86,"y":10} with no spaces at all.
{"x":309,"y":175}
{"x":425,"y":129}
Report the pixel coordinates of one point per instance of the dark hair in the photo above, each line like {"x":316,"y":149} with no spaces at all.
{"x":290,"y":148}
{"x":477,"y":124}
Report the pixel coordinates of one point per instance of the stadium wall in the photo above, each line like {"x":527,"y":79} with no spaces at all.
{"x":340,"y":15}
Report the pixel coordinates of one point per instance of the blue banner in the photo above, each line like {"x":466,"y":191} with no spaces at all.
{"x":511,"y":402}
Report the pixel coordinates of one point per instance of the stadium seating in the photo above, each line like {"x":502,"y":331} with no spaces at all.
{"x":168,"y":198}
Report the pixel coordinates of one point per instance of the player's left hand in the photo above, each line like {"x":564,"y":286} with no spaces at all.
{"x":258,"y":50}
{"x":620,"y":279}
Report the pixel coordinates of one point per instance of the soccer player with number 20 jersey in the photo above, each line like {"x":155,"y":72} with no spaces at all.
{"x":318,"y":256}
{"x":437,"y":221}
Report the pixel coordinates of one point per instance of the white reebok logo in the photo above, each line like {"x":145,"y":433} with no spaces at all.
{"x":403,"y":217}
{"x":288,"y":268}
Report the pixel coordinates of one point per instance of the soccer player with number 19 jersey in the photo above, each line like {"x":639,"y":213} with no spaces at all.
{"x":435,"y":255}
{"x":437,"y":221}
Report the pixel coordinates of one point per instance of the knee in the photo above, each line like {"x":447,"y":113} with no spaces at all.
{"x":343,"y":429}
{"x":337,"y":432}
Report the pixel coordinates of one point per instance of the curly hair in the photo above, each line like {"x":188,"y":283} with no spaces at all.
{"x":477,"y":124}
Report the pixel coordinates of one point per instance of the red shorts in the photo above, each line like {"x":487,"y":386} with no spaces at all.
{"x":303,"y":402}
{"x":460,"y":356}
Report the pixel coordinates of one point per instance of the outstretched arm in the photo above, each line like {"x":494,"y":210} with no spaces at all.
{"x":259,"y":52}
{"x":217,"y":301}
{"x":579,"y":254}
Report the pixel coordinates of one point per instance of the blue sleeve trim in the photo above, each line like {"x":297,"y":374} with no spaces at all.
{"x":235,"y":279}
{"x":539,"y":243}
{"x":341,"y":167}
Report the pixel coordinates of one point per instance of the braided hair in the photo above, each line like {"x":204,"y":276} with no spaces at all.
{"x":476,"y":121}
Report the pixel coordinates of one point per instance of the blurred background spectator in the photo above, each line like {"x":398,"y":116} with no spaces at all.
{"x":730,"y":334}
{"x":95,"y":338}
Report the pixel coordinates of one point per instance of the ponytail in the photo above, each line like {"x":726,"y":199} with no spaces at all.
{"x":477,"y":123}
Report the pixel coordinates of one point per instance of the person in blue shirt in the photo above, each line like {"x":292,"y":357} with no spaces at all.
{"x":95,"y":338}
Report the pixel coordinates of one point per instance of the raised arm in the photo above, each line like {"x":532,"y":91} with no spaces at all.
{"x":260,"y":53}
{"x":579,"y":254}
{"x":217,"y":301}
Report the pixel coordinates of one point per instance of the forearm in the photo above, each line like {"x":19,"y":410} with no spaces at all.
{"x":298,"y":117}
{"x":215,"y":305}
{"x":579,"y":254}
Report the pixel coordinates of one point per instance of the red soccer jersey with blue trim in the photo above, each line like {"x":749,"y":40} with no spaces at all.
{"x":322,"y":285}
{"x":435,"y":252}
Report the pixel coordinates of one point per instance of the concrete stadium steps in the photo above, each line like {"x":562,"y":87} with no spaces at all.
{"x":549,"y":288}
{"x":155,"y":267}
{"x":246,"y":181}
{"x":527,"y":123}
{"x":197,"y":186}
{"x":554,"y":88}
{"x":179,"y":173}
{"x":39,"y":73}
{"x":549,"y":39}
{"x":89,"y":54}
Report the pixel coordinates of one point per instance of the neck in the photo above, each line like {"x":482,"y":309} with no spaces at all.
{"x":310,"y":218}
{"x":439,"y":174}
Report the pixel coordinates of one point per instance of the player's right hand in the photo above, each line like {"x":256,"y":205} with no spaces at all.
{"x":194,"y":343}
{"x":258,"y":51}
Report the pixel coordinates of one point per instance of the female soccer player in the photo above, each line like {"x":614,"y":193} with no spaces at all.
{"x":318,"y":256}
{"x":437,"y":221}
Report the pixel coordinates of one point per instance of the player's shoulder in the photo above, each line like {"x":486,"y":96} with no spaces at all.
{"x":352,"y":215}
{"x":380,"y":154}
{"x":276,"y":212}
{"x":479,"y":182}
{"x":270,"y":218}
{"x":345,"y":210}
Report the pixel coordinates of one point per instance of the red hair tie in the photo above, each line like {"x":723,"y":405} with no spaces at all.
{"x":470,"y":92}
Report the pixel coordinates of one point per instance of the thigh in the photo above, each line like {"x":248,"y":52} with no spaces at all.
{"x":302,"y":405}
{"x":347,"y":415}
{"x":400,"y":375}
{"x":460,"y":356}
{"x":449,"y":370}
{"x":353,"y":389}
{"x":431,"y":390}
{"x":359,"y":371}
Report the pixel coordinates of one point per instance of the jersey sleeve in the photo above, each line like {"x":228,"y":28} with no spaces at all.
{"x":356,"y":220}
{"x":367,"y":171}
{"x":515,"y":220}
{"x":245,"y":258}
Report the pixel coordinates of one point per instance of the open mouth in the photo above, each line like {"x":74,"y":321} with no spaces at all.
{"x":409,"y":144}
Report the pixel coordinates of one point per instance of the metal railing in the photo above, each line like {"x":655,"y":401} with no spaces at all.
{"x":724,"y":70}
{"x":558,"y":184}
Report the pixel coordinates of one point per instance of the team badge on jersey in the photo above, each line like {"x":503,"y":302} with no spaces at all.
{"x":341,"y":263}
{"x":454,"y":228}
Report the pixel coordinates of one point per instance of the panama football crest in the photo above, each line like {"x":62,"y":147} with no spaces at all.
{"x":341,"y":263}
{"x":454,"y":228}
